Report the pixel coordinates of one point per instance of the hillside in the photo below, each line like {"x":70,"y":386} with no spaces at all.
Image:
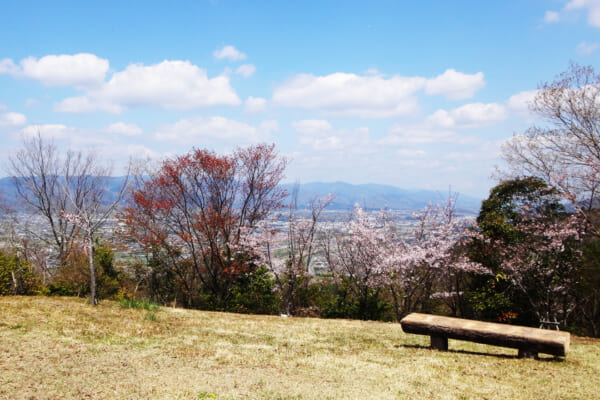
{"x":53,"y":348}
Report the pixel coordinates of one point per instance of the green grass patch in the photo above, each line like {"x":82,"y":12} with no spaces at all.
{"x":144,"y":304}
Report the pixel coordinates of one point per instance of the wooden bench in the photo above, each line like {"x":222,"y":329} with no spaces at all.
{"x":529,"y":341}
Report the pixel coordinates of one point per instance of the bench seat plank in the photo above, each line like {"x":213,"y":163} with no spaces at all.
{"x":527,"y":340}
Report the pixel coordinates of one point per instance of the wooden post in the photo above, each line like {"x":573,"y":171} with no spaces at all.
{"x":526,"y":353}
{"x":439,"y":343}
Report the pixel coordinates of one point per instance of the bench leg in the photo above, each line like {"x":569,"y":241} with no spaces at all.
{"x":524,"y":353}
{"x":439,"y":343}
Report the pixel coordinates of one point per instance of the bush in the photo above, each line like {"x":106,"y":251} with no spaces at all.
{"x":339,"y":301}
{"x":73,"y":278}
{"x":254,"y":293}
{"x":17,"y":276}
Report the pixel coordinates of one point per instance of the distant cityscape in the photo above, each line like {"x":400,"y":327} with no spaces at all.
{"x":34,"y":227}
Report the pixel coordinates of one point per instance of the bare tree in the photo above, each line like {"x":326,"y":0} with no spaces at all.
{"x":67,"y":192}
{"x":37,"y":170}
{"x":565,"y":149}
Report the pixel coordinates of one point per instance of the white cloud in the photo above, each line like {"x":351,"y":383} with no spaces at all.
{"x":12,"y":120}
{"x":401,"y":135}
{"x":66,"y":70}
{"x":520,"y":102}
{"x":230,"y":53}
{"x":79,"y":70}
{"x":85,"y":104}
{"x":137,"y":151}
{"x":197,"y":130}
{"x":121,"y":128}
{"x":312,"y":126}
{"x":551,"y":17}
{"x":442,"y":126}
{"x":469,"y":116}
{"x":455,"y":85}
{"x":246,"y":70}
{"x":585,"y":49}
{"x":177,"y":85}
{"x":319,"y":135}
{"x":350,"y":94}
{"x":591,"y":6}
{"x":255,"y":104}
{"x":48,"y":131}
{"x":344,"y":94}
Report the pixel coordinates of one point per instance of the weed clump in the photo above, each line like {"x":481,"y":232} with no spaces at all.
{"x":144,"y":304}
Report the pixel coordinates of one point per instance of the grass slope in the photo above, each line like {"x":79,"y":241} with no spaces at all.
{"x":52,"y":348}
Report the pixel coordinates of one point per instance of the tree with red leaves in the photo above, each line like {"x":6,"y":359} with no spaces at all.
{"x":191,"y":214}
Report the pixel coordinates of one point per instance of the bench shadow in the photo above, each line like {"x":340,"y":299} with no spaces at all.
{"x":544,"y":358}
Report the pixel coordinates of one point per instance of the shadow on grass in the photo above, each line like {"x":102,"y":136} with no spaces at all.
{"x":544,"y":358}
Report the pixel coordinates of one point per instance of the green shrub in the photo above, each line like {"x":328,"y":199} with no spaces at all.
{"x":73,"y":278}
{"x":254,"y":293}
{"x":17,"y":276}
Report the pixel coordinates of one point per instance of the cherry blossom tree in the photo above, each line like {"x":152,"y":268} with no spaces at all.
{"x":366,"y":256}
{"x":528,"y":238}
{"x":438,"y":241}
{"x":372,"y":256}
{"x":544,"y":264}
{"x":564,"y":149}
{"x":296,"y":246}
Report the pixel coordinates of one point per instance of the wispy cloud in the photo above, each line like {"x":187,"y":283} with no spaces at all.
{"x":255,"y":104}
{"x":319,"y":135}
{"x":246,"y":70}
{"x":591,"y":7}
{"x":585,"y":49}
{"x":214,"y":129}
{"x":121,"y":128}
{"x":230,"y":53}
{"x":551,"y":17}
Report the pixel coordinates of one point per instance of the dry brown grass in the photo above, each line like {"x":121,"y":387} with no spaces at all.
{"x":54,"y":348}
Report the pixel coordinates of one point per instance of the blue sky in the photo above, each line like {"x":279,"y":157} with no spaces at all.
{"x":405,"y":93}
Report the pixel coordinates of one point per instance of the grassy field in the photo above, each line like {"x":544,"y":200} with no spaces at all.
{"x":54,"y":348}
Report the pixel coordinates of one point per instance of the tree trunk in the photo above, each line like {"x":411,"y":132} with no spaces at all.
{"x":92,"y":271}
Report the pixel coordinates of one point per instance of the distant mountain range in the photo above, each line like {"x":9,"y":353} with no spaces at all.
{"x":375,"y":197}
{"x":368,"y":196}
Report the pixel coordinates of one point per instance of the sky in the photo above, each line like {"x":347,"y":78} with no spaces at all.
{"x":414,"y":94}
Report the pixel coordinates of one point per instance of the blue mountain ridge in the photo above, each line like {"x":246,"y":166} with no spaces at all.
{"x":372,"y":196}
{"x":369,"y":196}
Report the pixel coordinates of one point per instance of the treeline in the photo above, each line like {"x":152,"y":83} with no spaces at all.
{"x":531,"y":257}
